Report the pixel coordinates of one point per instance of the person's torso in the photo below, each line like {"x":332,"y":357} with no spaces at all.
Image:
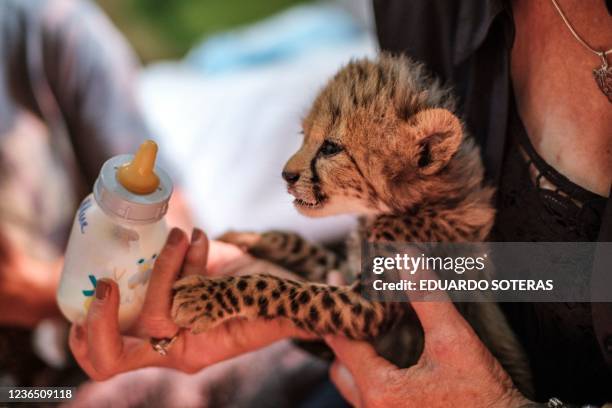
{"x":535,"y":203}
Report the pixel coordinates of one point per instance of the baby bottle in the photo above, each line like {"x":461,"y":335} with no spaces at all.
{"x":117,"y":233}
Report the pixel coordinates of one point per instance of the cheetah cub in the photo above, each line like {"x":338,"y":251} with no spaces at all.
{"x":380,"y":141}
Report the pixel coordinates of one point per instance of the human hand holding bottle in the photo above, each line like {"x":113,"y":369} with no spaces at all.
{"x":103,"y":352}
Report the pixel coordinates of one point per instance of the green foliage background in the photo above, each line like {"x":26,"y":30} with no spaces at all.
{"x":166,"y":29}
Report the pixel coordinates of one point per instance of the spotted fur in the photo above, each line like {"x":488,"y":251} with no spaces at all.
{"x":381,"y":141}
{"x":311,"y":306}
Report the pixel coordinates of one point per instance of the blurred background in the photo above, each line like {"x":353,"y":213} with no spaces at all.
{"x":224,"y":87}
{"x":160,"y":29}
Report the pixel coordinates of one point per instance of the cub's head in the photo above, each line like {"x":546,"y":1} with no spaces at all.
{"x":380,"y":137}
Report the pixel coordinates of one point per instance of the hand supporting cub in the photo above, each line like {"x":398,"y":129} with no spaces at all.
{"x":103,"y":352}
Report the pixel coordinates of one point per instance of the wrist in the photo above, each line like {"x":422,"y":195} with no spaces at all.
{"x":514,"y":399}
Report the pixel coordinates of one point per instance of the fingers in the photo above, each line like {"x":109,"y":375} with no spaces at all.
{"x":98,"y":346}
{"x":77,"y":340}
{"x":345,"y":383}
{"x":136,"y":354}
{"x":105,"y":344}
{"x":435,"y":309}
{"x":449,"y":339}
{"x":197,"y":254}
{"x":360,"y":359}
{"x":335,"y":278}
{"x":439,"y":317}
{"x":165,"y":271}
{"x":243,"y":335}
{"x":238,"y":336}
{"x":220,"y":254}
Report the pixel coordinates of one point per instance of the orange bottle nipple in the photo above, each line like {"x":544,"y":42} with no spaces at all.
{"x":139,"y":176}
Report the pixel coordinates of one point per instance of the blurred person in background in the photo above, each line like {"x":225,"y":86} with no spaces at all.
{"x":66,"y":105}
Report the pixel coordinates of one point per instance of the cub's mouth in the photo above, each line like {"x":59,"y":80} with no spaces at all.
{"x":307,"y":198}
{"x":298,"y":202}
{"x":309,"y":201}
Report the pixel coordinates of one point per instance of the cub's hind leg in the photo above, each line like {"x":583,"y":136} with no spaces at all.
{"x":289,"y":250}
{"x":202,"y":303}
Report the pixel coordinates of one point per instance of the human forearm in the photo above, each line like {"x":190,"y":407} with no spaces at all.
{"x":27,"y":290}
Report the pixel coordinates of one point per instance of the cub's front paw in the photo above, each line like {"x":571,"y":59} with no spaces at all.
{"x":193,"y":305}
{"x":243,"y":240}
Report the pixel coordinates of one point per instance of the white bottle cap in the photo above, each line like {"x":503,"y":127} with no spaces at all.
{"x":118,"y":202}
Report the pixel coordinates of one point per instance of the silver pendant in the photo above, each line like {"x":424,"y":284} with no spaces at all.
{"x":603,"y":77}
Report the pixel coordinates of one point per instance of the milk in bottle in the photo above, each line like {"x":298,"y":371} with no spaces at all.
{"x":117,"y":233}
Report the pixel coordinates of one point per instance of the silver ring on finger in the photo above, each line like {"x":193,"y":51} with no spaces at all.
{"x":163,"y":344}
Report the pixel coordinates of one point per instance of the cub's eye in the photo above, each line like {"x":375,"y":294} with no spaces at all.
{"x":330,"y":148}
{"x":141,"y":261}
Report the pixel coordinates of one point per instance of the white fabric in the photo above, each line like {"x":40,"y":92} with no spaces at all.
{"x":228,"y":137}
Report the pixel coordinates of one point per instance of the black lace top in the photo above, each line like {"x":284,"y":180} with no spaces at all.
{"x":537,"y":203}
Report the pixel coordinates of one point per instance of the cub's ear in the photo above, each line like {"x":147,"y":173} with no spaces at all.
{"x":438,"y":134}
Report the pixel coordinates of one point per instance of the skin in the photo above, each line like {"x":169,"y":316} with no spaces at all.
{"x":103,"y":352}
{"x":28,"y":285}
{"x":455,"y":368}
{"x":569,"y":122}
{"x":567,"y":117}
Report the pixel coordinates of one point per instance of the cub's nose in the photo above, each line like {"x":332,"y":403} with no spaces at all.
{"x":290,"y":177}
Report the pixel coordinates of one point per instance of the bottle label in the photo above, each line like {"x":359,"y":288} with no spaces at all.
{"x":82,"y":213}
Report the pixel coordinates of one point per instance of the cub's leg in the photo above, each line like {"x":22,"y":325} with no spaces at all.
{"x":289,"y":250}
{"x":202,"y":303}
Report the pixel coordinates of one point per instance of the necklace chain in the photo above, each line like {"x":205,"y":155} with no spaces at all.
{"x":602,"y":54}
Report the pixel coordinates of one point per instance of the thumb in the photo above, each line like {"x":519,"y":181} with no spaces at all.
{"x":360,"y":358}
{"x":345,"y":383}
{"x":105,"y":342}
{"x":439,"y":317}
{"x":436,"y":311}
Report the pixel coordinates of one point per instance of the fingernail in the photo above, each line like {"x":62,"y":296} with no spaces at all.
{"x":196,"y":235}
{"x":344,"y":372}
{"x":102,"y":289}
{"x":175,"y":236}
